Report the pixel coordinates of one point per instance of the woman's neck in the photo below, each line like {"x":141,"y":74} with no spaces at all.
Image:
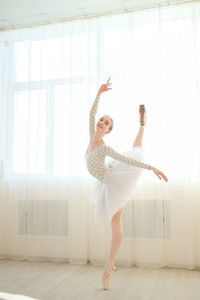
{"x":98,"y":138}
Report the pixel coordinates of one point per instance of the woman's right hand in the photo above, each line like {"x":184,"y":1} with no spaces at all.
{"x":105,"y":87}
{"x":159,"y":173}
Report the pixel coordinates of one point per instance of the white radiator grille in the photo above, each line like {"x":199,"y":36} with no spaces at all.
{"x":43,"y":218}
{"x":144,"y":219}
{"x":150,"y":219}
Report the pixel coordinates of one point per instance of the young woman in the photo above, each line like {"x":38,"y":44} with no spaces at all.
{"x":116,"y":181}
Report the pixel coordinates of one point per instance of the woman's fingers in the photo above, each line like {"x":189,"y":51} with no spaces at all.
{"x":108,"y":88}
{"x":164,"y":176}
{"x":161,"y":175}
{"x":108,"y":82}
{"x":108,"y":85}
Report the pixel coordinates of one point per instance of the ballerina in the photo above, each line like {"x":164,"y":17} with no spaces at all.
{"x":116,"y":181}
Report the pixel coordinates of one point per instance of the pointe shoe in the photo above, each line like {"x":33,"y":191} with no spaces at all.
{"x":142,"y":111}
{"x":109,"y":270}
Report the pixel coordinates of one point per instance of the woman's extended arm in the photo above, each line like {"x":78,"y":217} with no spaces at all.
{"x":104,"y":87}
{"x":130,"y":161}
{"x":125,"y":159}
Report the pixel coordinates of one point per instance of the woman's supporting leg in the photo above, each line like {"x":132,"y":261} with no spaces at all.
{"x":117,"y":234}
{"x":139,"y":137}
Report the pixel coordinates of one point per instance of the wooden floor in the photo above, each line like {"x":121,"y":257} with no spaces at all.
{"x":62,"y":281}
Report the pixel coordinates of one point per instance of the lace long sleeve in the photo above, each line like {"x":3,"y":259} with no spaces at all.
{"x":92,"y":116}
{"x":128,"y":160}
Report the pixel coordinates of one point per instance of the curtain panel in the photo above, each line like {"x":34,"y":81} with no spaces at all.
{"x":49,"y":77}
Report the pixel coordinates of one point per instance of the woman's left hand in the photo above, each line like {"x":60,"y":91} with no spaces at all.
{"x":159,"y":173}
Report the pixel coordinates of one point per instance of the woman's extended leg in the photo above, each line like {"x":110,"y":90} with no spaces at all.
{"x":139,"y":137}
{"x":142,"y":118}
{"x":117,"y":236}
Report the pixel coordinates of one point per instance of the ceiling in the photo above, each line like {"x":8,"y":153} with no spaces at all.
{"x":31,"y":12}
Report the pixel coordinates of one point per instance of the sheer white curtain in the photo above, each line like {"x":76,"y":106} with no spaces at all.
{"x":49,"y":77}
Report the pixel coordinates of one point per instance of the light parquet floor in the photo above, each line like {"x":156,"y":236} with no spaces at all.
{"x":24,"y":280}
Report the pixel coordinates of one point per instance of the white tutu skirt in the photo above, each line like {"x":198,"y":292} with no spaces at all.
{"x":117,"y":187}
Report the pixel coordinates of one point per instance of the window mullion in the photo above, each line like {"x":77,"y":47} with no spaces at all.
{"x":50,"y":128}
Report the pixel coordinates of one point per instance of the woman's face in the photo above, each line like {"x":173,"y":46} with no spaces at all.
{"x":103,"y":125}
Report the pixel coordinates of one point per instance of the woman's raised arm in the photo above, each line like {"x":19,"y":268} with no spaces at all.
{"x":104,"y":88}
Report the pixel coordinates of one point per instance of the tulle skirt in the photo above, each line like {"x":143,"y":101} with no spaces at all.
{"x":117,"y":187}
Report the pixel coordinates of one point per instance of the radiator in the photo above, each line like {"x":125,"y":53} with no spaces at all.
{"x":147,"y":219}
{"x":43,"y":218}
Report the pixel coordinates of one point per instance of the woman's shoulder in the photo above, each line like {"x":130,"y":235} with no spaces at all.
{"x":107,"y":148}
